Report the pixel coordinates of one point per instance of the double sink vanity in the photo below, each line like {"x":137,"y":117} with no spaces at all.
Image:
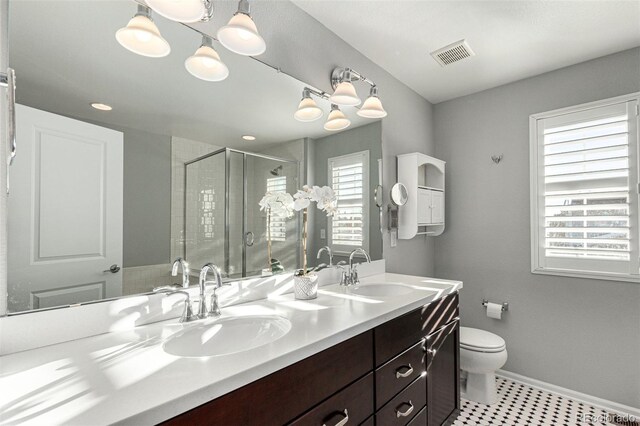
{"x":384,"y":352}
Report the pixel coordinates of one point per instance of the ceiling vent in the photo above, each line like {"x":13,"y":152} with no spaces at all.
{"x":452,"y":53}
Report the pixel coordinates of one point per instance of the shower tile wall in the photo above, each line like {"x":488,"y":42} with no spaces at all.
{"x":182,"y":150}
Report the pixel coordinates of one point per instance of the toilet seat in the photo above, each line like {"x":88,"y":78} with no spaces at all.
{"x":473,"y":339}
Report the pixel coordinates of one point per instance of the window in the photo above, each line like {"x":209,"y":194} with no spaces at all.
{"x":278,"y":224}
{"x":349,"y":178}
{"x":584,"y":190}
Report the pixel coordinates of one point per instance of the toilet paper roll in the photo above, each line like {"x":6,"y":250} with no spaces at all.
{"x":494,"y":310}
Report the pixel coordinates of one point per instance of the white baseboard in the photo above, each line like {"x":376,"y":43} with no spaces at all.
{"x":604,"y":404}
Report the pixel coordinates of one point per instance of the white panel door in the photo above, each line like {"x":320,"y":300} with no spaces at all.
{"x":65,"y":212}
{"x":424,"y":206}
{"x":437,"y":207}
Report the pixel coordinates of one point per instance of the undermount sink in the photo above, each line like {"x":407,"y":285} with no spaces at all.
{"x":381,"y":289}
{"x":226,"y":336}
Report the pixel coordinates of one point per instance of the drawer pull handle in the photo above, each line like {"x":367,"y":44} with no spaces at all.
{"x":406,"y":373}
{"x":343,"y":421}
{"x":405,"y":413}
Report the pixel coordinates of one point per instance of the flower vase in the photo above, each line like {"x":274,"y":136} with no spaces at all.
{"x":305,"y":287}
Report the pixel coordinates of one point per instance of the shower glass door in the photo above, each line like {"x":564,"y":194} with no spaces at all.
{"x":265,"y":174}
{"x":223,"y":221}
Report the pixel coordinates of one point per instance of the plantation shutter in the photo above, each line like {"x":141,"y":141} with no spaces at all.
{"x":278,"y":224}
{"x":587,"y":188}
{"x":349,"y":180}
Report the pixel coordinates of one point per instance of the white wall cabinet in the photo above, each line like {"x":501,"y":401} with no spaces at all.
{"x":424,"y":212}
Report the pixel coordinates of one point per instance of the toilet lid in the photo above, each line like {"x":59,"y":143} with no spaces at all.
{"x":480,"y":340}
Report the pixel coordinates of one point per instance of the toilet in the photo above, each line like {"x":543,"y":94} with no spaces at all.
{"x":481,"y":354}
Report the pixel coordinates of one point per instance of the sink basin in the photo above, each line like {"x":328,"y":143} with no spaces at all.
{"x":226,"y":336}
{"x":381,"y":289}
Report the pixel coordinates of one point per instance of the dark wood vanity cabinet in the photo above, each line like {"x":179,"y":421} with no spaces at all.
{"x":403,"y":372}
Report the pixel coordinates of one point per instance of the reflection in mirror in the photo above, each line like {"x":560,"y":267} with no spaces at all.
{"x":161,"y":169}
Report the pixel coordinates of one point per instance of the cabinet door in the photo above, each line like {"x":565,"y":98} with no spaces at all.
{"x":424,"y":206}
{"x":437,"y":207}
{"x":443,"y":375}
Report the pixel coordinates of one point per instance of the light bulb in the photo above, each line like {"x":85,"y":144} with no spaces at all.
{"x":141,"y":36}
{"x":372,"y":106}
{"x":307,"y":110}
{"x":241,"y":35}
{"x":345,"y":95}
{"x":205,"y":63}
{"x":336,"y":120}
{"x":183,"y":10}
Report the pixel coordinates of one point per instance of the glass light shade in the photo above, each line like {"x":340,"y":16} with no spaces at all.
{"x":206,"y":65}
{"x":336,"y":121}
{"x":141,"y":36}
{"x":345,"y":94}
{"x":308,"y":110}
{"x":241,"y":36}
{"x":372,"y":108}
{"x":180,"y":10}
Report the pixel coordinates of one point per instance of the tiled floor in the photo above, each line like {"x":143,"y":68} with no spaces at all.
{"x":521,"y":405}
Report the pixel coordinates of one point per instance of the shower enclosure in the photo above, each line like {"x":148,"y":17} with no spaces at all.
{"x":223,"y":221}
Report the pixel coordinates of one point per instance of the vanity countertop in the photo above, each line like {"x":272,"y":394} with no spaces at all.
{"x":126,"y":377}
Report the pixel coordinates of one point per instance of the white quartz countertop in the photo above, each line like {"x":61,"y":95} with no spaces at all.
{"x":127,"y":378}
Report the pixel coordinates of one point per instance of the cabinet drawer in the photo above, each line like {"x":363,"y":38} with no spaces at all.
{"x":420,"y":419}
{"x":397,"y":335}
{"x":395,"y":375}
{"x":404,"y":406}
{"x":353,"y":404}
{"x":284,"y":395}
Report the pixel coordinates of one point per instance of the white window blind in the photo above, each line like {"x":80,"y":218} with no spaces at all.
{"x":278,"y":224}
{"x":349,"y":178}
{"x":586,"y":186}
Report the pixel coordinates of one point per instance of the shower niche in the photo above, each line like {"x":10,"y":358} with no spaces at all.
{"x":223,"y":222}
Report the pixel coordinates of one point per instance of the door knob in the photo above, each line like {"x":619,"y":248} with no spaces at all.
{"x":113,"y":269}
{"x":249,"y":239}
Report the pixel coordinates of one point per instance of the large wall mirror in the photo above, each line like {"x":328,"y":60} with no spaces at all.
{"x":102,"y":202}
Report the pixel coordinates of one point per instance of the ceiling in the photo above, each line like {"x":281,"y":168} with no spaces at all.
{"x":66,"y":57}
{"x":512,"y":39}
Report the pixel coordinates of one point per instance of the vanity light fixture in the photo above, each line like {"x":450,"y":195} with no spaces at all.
{"x":372,"y":107}
{"x":142,"y":36}
{"x":183,"y":10}
{"x":240,"y":35}
{"x":308,"y":110}
{"x":249,"y":138}
{"x":205,"y":63}
{"x":344,"y":92}
{"x":102,"y":107}
{"x":336,"y":120}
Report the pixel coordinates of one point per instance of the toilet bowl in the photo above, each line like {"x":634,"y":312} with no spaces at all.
{"x":481,"y":354}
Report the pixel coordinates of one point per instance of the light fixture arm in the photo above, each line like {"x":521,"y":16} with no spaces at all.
{"x":144,"y":11}
{"x":339,"y":74}
{"x":308,"y":91}
{"x":244,"y":7}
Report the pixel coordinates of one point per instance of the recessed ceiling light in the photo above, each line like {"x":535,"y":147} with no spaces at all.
{"x":249,"y":138}
{"x":101,"y":106}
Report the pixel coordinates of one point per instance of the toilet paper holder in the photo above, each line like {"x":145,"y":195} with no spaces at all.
{"x":505,"y":305}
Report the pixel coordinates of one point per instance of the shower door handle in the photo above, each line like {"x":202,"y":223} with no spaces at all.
{"x":249,"y":239}
{"x":9,"y":79}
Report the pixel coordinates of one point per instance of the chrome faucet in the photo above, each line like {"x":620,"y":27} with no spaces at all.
{"x":180,"y":262}
{"x":351,"y":277}
{"x":213,"y":310}
{"x":329,"y":252}
{"x":187,"y":312}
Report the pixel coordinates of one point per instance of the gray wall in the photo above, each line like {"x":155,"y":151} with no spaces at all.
{"x":310,"y":56}
{"x":581,"y":334}
{"x":364,"y":138}
{"x":147,"y":198}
